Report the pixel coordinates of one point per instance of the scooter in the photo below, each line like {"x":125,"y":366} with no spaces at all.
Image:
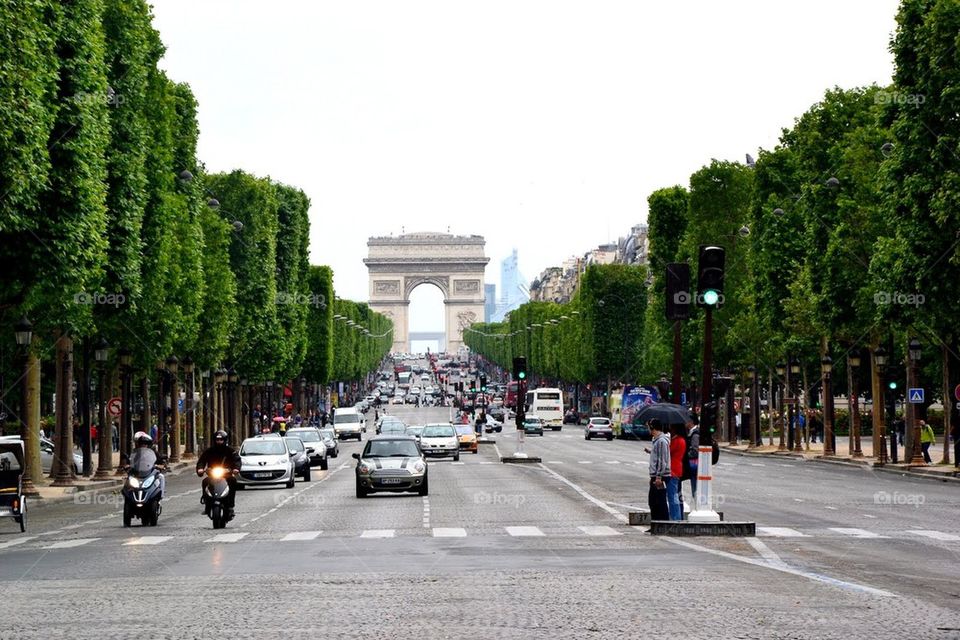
{"x":214,"y":496}
{"x":141,"y":497}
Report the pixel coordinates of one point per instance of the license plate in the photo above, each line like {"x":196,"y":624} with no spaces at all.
{"x":391,"y":480}
{"x":6,"y":510}
{"x":262,"y":475}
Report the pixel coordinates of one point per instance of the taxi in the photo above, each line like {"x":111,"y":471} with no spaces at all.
{"x":468,"y":438}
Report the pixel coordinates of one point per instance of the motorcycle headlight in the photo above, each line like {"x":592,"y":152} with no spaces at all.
{"x":147,"y":482}
{"x":217,"y":473}
{"x":133,"y":482}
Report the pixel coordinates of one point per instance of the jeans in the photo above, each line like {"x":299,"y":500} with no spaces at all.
{"x":926,"y":452}
{"x":658,"y":502}
{"x":673,"y":498}
{"x":693,"y":470}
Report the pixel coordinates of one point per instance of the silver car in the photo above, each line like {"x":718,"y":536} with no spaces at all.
{"x":440,"y":440}
{"x":391,"y":463}
{"x":598,"y":428}
{"x":46,"y":457}
{"x":266,"y":460}
{"x":313,"y":441}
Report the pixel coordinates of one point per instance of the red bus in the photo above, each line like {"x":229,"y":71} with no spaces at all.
{"x":510,"y":400}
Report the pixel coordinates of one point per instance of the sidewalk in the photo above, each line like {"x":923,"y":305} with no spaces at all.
{"x":55,"y":495}
{"x":946,"y":473}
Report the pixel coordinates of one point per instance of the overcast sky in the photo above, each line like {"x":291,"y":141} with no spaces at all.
{"x":541,"y":125}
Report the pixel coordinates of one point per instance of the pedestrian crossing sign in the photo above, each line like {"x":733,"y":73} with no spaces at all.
{"x":915,"y":396}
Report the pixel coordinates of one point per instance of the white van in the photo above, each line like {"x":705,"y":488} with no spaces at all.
{"x":347,"y":423}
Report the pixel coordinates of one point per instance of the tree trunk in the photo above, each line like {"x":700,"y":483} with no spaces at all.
{"x":62,"y":468}
{"x":949,"y":402}
{"x":31,"y":411}
{"x":771,"y":405}
{"x":876,"y":387}
{"x":146,"y":419}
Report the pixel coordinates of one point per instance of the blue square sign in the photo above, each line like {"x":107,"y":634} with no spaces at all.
{"x":915,"y":396}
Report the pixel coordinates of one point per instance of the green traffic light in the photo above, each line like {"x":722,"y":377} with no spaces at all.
{"x":710,"y":297}
{"x":893,"y":385}
{"x":522,"y":375}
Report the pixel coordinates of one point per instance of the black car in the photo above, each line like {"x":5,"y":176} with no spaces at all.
{"x":301,"y":461}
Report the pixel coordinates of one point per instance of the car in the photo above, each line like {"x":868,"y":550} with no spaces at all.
{"x":300,"y":457}
{"x":347,"y":423}
{"x":414,"y":431}
{"x":391,"y":463}
{"x":46,"y":457}
{"x":385,"y":419}
{"x":492,"y":424}
{"x":637,"y":429}
{"x":313,"y":441}
{"x":532,"y":425}
{"x":396,"y":400}
{"x":414,"y":391}
{"x":394,"y":427}
{"x":598,"y":427}
{"x":440,"y":439}
{"x":266,"y":460}
{"x":330,"y":439}
{"x":468,"y":438}
{"x":370,"y":399}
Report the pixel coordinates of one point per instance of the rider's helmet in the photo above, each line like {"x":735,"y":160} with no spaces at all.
{"x":142,"y":439}
{"x":220,"y":437}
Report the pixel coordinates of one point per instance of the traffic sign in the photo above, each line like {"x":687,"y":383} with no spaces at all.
{"x":114,"y":406}
{"x":915,"y":396}
{"x":683,"y":397}
{"x":956,"y":392}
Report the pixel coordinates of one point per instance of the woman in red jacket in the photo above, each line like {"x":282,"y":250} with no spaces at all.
{"x":678,"y":447}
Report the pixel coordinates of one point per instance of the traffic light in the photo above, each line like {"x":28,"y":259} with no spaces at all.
{"x":678,"y":291}
{"x":519,"y":368}
{"x":483,"y":383}
{"x":708,"y":423}
{"x":710,"y":276}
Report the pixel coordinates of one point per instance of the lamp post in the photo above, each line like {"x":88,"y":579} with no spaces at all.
{"x":126,"y":423}
{"x":270,"y":403}
{"x":754,"y":383}
{"x":914,"y":353}
{"x":23,"y":332}
{"x":190,"y":450}
{"x":172,"y":366}
{"x":826,"y":368}
{"x":794,"y":380}
{"x":205,"y":399}
{"x":105,"y":460}
{"x":246,"y":408}
{"x":879,"y":406}
{"x":782,"y":385}
{"x":232,"y":402}
{"x":853,"y":360}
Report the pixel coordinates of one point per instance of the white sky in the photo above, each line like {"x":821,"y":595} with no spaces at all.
{"x":542,"y":125}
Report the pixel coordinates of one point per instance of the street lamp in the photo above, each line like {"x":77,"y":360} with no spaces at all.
{"x":23,"y":333}
{"x":781,"y":383}
{"x":914,"y":353}
{"x":880,"y":442}
{"x":853,"y":360}
{"x":191,"y":444}
{"x":826,"y":369}
{"x":172,"y":366}
{"x":794,"y":380}
{"x":105,"y":460}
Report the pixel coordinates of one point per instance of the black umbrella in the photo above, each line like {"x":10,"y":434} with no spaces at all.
{"x":666,"y":412}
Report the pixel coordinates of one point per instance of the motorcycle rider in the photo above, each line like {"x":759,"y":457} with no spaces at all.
{"x":220,"y":454}
{"x":145,"y":457}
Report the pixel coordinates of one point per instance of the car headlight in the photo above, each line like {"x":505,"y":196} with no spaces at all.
{"x":419,"y":467}
{"x":133,"y":481}
{"x":147,"y":482}
{"x":364,"y":469}
{"x":282,"y":460}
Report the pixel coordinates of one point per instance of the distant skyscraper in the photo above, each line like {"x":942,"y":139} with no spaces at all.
{"x":513,"y":287}
{"x":489,"y":301}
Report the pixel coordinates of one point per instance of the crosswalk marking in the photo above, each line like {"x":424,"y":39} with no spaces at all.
{"x":757,"y":464}
{"x":599,"y":531}
{"x":227,"y":537}
{"x":613,"y":462}
{"x":15,"y":542}
{"x":519,"y":532}
{"x":147,"y":540}
{"x":936,"y":535}
{"x":69,"y":544}
{"x":856,"y":533}
{"x":585,"y":461}
{"x":301,"y":535}
{"x":449,"y":532}
{"x":378,"y":533}
{"x":780,"y":532}
{"x":457,"y":463}
{"x":554,"y":461}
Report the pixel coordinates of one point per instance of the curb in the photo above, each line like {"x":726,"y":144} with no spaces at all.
{"x":922,"y":475}
{"x":94,"y":488}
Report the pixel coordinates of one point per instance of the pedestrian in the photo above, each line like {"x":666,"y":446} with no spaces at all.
{"x":678,"y":449}
{"x":691,"y":459}
{"x":955,"y":434}
{"x":927,"y":438}
{"x":115,"y":436}
{"x":93,"y":438}
{"x":659,"y":472}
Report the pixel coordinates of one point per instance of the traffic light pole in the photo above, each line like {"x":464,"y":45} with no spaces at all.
{"x":704,"y":505}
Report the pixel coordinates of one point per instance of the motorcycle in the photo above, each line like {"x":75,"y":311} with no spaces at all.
{"x":141,"y":494}
{"x":214,"y":496}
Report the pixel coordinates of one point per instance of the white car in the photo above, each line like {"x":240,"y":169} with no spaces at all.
{"x":440,"y":440}
{"x":265,"y":460}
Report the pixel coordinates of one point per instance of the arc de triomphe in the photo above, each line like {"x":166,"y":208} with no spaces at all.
{"x":455,"y":264}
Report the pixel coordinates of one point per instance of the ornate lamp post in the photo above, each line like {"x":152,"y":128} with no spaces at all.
{"x":104,"y":432}
{"x":23,"y":332}
{"x":172,"y":365}
{"x":826,"y":368}
{"x":914,"y":353}
{"x":794,"y":380}
{"x":782,"y":385}
{"x":853,"y":360}
{"x":879,"y":406}
{"x":188,"y":409}
{"x":246,"y":408}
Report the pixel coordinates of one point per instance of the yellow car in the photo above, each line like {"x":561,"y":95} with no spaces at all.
{"x":468,"y":438}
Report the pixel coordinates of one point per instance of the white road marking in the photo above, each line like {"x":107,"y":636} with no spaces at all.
{"x":642,"y":462}
{"x":378,"y":533}
{"x":856,"y":533}
{"x":519,"y":532}
{"x":555,"y":462}
{"x":765,"y":552}
{"x":72,"y":526}
{"x":831,"y":508}
{"x":449,"y":532}
{"x":15,"y":542}
{"x":456,"y":463}
{"x":613,"y":462}
{"x":487,"y":462}
{"x":600,"y":530}
{"x":585,"y":461}
{"x":69,"y":544}
{"x":867,"y":515}
{"x":227,"y":537}
{"x":936,"y":535}
{"x":757,"y":464}
{"x":603,"y":505}
{"x":300,"y":535}
{"x":780,"y":532}
{"x":147,"y":540}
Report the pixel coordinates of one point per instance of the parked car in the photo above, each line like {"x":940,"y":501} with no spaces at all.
{"x":266,"y":460}
{"x":46,"y":457}
{"x":598,"y":427}
{"x":391,"y":463}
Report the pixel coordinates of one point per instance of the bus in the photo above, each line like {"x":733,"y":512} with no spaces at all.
{"x":510,"y":399}
{"x":403,"y":379}
{"x":547,"y":403}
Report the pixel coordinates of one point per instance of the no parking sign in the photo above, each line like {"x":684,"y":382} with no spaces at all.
{"x":114,"y":407}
